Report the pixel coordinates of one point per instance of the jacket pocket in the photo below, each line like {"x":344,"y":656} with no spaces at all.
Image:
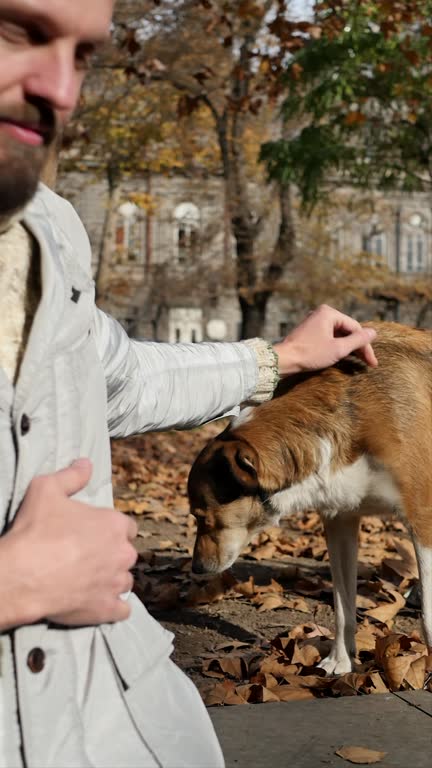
{"x":138,"y":644}
{"x":162,"y":702}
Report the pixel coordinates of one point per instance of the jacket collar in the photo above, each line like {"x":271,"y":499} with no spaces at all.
{"x":37,"y":220}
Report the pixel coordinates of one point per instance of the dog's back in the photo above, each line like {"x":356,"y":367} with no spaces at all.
{"x":340,"y":423}
{"x":383,"y":413}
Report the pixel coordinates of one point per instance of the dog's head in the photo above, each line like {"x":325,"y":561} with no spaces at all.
{"x":227,"y":500}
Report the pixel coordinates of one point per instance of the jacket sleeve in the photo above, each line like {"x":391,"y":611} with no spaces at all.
{"x":156,"y":386}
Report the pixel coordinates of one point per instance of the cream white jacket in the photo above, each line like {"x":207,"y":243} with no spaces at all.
{"x":82,"y":381}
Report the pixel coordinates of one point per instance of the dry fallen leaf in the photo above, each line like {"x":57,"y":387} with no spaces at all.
{"x":277,"y":666}
{"x":256,"y":694}
{"x":309,"y":630}
{"x":397,"y":668}
{"x":267,"y":680}
{"x":391,"y":645}
{"x":210,"y":591}
{"x":268,"y":602}
{"x":307,"y":655}
{"x":165,"y":544}
{"x":350,"y":684}
{"x":222,"y":693}
{"x":365,"y":602}
{"x":360,"y":755}
{"x":314,"y":682}
{"x":298,"y":604}
{"x":377,"y":683}
{"x":405,"y":566}
{"x":231,"y":645}
{"x":386,"y":612}
{"x":288,"y":693}
{"x":403,"y":661}
{"x":366,"y":637}
{"x":274,"y":587}
{"x":265,"y":552}
{"x":245,"y":588}
{"x":415,"y":676}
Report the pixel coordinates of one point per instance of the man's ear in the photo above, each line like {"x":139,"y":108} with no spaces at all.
{"x":244,"y":464}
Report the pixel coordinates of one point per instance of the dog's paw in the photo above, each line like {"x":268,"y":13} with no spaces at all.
{"x":336,"y":666}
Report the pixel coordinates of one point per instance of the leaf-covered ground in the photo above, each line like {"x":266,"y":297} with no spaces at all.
{"x":256,"y":633}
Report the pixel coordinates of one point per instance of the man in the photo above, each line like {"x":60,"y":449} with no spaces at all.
{"x":86,"y":678}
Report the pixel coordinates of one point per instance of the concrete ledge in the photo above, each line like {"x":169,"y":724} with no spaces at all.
{"x":307,"y":734}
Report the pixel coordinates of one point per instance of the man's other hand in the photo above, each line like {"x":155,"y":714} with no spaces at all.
{"x":72,"y":560}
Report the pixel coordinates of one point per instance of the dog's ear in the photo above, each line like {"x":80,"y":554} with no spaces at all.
{"x":244,"y":465}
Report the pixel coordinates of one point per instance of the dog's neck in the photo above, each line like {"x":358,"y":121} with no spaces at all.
{"x":290,"y":432}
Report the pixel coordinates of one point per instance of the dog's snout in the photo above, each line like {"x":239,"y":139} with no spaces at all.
{"x":198,"y":567}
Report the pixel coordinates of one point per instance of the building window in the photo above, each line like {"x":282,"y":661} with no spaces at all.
{"x":129,"y":234}
{"x":410,"y":254}
{"x":186,"y":231}
{"x":375,"y":244}
{"x":420,"y":253}
{"x":415,"y":253}
{"x":185,"y":324}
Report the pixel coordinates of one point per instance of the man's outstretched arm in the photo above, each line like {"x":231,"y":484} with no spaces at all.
{"x":159,"y":386}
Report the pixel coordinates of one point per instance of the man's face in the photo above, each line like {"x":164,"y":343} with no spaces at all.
{"x":45,"y":46}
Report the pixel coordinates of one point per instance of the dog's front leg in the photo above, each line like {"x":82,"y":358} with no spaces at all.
{"x":342,"y":543}
{"x":424,"y":562}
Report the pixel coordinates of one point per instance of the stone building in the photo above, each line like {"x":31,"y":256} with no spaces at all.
{"x":173,"y":262}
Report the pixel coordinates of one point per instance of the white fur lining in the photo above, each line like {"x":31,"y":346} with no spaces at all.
{"x":15,"y":261}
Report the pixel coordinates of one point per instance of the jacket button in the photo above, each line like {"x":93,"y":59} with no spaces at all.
{"x":25,"y":424}
{"x":36,"y":660}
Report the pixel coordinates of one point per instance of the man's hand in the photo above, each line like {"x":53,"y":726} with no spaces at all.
{"x":322,"y":339}
{"x":71,"y":560}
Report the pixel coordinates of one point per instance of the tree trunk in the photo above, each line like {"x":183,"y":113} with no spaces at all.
{"x":254,"y":291}
{"x":421,"y":316}
{"x":148,"y":228}
{"x":155,"y":320}
{"x":104,"y":267}
{"x":253,"y":316}
{"x":227,"y":233}
{"x":254,"y":286}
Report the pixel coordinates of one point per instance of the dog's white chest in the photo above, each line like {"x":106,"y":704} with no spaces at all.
{"x":346,"y":489}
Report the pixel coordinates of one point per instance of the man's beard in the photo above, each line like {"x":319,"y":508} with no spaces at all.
{"x":20,"y":168}
{"x":21,"y":164}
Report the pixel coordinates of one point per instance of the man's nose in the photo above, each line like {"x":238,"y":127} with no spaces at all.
{"x":54,"y":76}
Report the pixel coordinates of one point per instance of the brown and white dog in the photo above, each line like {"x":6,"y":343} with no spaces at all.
{"x":347,"y":441}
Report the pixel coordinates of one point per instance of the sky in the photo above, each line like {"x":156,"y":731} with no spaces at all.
{"x":301,"y":8}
